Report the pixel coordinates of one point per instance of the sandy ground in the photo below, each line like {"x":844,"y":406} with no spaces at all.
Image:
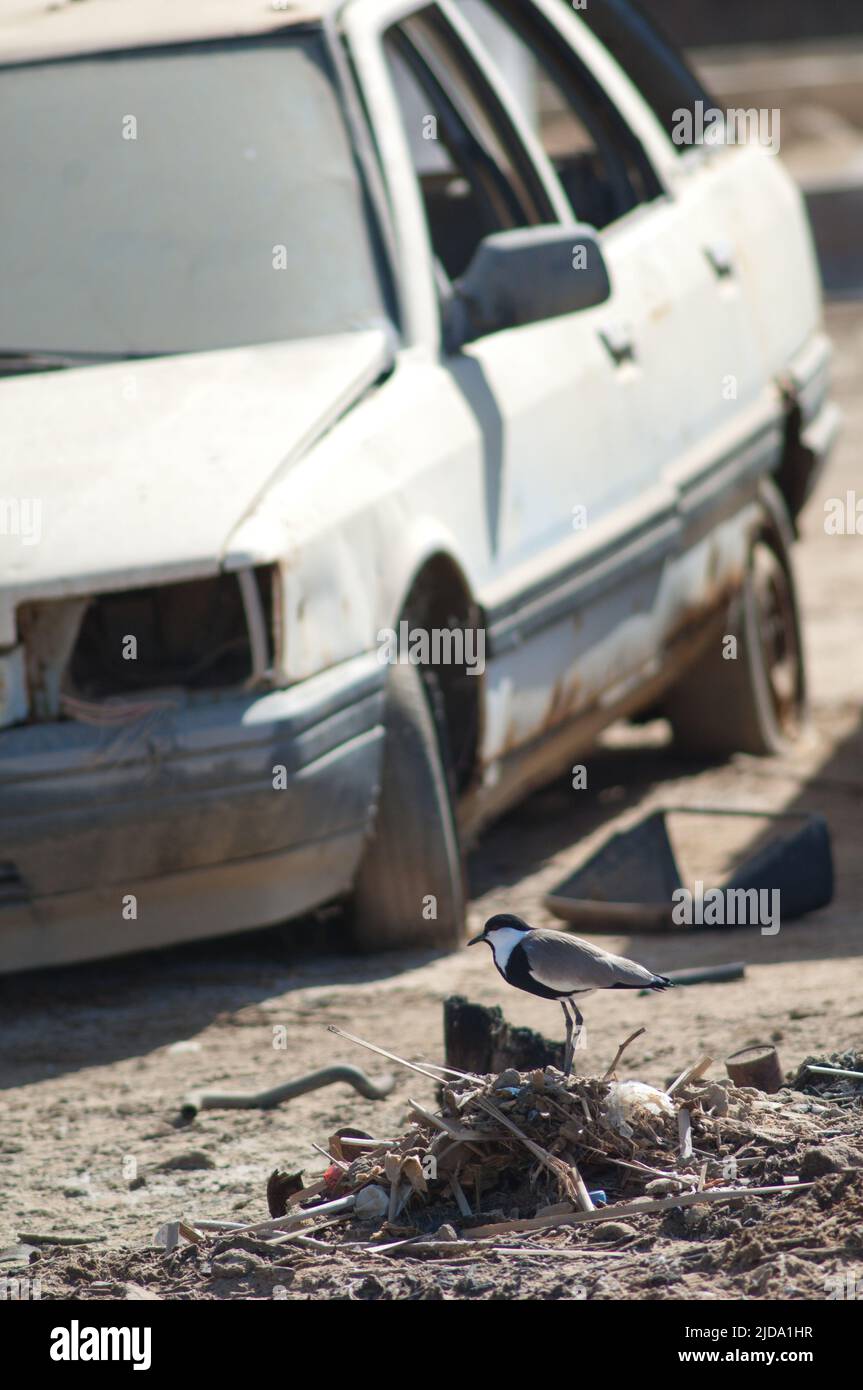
{"x":95,"y":1060}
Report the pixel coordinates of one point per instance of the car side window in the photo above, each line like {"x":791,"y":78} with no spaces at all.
{"x":474,"y":174}
{"x":651,"y":61}
{"x":597,"y":157}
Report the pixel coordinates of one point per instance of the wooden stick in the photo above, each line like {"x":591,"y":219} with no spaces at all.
{"x":584,"y":1198}
{"x":291,"y":1237}
{"x":691,"y":1074}
{"x":374,"y":1249}
{"x":393,"y":1172}
{"x":683,"y":1199}
{"x":309,"y":1243}
{"x":426,"y":1246}
{"x":286,"y":1223}
{"x":620,"y":1051}
{"x":316,"y":1189}
{"x":640,"y":1167}
{"x":216,"y":1229}
{"x":391,"y":1056}
{"x":364,"y":1144}
{"x":224,"y":1226}
{"x":459,"y":1132}
{"x":462,"y":1202}
{"x":334,"y":1162}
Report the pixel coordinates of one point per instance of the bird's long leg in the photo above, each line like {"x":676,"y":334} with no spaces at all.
{"x":579,"y":1023}
{"x":568,"y":1050}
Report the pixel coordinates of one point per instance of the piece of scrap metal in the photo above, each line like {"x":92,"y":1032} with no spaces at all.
{"x":629,"y":884}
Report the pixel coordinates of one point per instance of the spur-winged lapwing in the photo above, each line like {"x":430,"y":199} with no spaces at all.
{"x":555,"y":965}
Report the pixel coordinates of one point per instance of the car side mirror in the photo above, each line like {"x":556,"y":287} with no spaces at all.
{"x":525,"y":276}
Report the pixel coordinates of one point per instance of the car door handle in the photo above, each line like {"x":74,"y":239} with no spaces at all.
{"x":721,"y":257}
{"x":617,"y":340}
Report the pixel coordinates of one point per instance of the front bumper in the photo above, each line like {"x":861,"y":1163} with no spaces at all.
{"x":816,"y":419}
{"x":205,"y":816}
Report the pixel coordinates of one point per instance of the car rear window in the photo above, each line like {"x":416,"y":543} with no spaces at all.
{"x":181,"y":198}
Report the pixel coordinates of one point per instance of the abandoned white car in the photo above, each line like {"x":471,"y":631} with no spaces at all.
{"x":389,"y":402}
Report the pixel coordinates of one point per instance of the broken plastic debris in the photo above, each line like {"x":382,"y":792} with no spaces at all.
{"x":372,"y":1203}
{"x":168,"y":1236}
{"x":630,"y":1103}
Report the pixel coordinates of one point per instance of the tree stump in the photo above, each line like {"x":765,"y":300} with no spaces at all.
{"x":478,"y":1039}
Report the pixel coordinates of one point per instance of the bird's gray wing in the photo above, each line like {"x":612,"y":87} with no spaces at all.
{"x":565,"y":963}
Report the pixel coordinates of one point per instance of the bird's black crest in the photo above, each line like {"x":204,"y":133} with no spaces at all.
{"x":506,"y":919}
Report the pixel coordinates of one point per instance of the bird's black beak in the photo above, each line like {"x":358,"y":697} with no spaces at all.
{"x":475,"y":940}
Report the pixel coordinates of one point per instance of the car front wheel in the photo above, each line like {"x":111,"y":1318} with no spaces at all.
{"x":410,"y":888}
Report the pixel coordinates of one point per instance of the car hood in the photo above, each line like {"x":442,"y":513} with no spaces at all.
{"x":114,"y":474}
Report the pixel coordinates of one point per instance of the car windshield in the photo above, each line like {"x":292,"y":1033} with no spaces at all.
{"x":181,"y":199}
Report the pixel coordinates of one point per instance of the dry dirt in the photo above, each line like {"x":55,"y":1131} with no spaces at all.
{"x":95,"y":1060}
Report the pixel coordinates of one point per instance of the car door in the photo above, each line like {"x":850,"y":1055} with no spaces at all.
{"x":564,"y":478}
{"x":710,"y":420}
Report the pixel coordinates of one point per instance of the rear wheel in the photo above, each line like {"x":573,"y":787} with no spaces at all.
{"x":756,"y":702}
{"x":410,"y":888}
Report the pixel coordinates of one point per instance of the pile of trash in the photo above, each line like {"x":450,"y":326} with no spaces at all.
{"x":537,"y":1138}
{"x":527,"y":1151}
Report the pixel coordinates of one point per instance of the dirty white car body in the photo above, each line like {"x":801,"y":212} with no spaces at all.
{"x":571,"y":486}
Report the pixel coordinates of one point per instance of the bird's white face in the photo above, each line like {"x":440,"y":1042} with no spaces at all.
{"x":503,"y":933}
{"x":503,"y":941}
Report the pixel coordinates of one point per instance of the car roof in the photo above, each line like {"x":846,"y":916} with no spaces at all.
{"x":33,"y":29}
